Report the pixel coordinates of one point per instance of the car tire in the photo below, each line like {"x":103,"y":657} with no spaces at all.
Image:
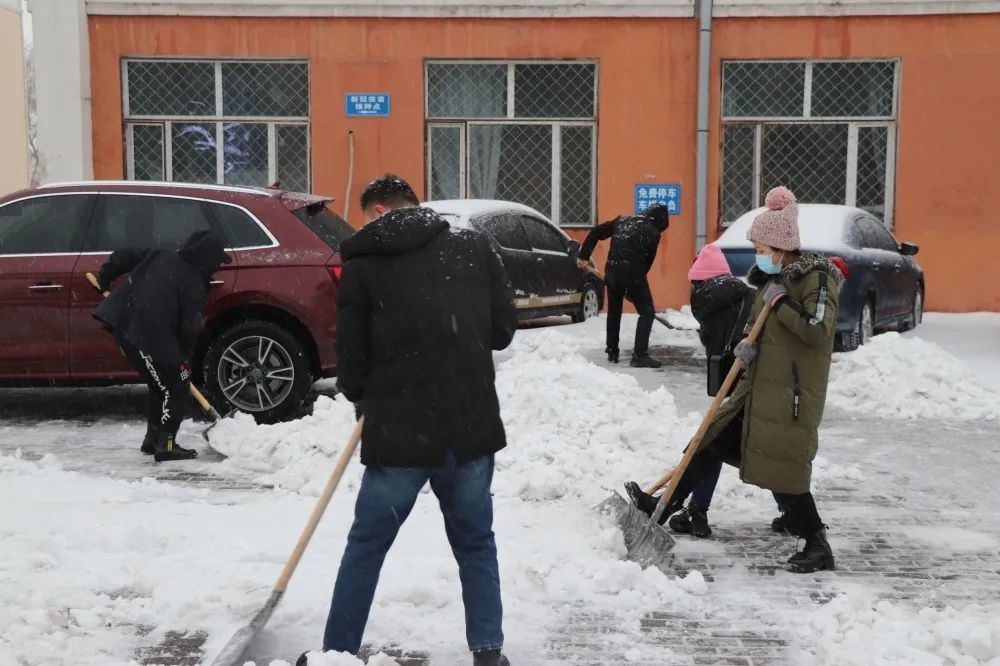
{"x":864,"y":330}
{"x":916,"y":316}
{"x":590,"y":304}
{"x":277,"y":378}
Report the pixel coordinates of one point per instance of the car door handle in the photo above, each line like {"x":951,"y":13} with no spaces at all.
{"x":216,"y":283}
{"x":45,"y":286}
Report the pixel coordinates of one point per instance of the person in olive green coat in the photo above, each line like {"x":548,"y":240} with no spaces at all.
{"x":769,"y":426}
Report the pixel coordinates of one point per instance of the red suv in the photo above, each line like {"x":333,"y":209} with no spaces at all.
{"x":270,"y":317}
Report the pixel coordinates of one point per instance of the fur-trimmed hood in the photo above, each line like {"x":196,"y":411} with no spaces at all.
{"x":807,"y":263}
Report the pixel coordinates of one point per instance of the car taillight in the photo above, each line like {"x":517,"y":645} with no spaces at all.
{"x":335,"y":272}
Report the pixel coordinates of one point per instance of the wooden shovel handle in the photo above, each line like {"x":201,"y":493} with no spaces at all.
{"x":321,"y":504}
{"x":713,"y":409}
{"x":95,"y":284}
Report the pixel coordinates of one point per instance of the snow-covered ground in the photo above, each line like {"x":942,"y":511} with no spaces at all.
{"x":104,"y":553}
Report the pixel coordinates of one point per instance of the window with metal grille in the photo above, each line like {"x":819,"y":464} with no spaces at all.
{"x":516,"y":131}
{"x":824,"y":129}
{"x":233,"y":122}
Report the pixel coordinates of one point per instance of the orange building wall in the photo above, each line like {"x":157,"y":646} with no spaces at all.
{"x":646,"y":115}
{"x":945,"y":180}
{"x":948,"y":142}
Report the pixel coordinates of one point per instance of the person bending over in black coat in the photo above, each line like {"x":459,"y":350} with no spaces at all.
{"x":155,"y":315}
{"x":634,"y":243}
{"x":422,"y":308}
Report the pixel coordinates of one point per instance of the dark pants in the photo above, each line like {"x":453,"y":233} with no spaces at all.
{"x":637,"y":292}
{"x":802,"y":515}
{"x":385,"y":499}
{"x":168,"y":392}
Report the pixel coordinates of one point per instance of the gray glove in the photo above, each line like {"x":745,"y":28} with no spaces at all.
{"x":745,"y":352}
{"x":774,"y":292}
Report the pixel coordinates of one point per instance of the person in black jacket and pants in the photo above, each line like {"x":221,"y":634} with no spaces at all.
{"x":634,"y":243}
{"x":422,"y":308}
{"x":155,"y":316}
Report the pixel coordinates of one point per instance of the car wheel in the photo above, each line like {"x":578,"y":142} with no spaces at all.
{"x":916,"y":316}
{"x":590,"y":304}
{"x":864,"y":330}
{"x":258,"y":367}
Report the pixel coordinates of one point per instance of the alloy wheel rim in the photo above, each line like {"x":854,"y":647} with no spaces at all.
{"x":256,"y":373}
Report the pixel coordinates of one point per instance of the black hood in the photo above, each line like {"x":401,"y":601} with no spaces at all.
{"x":396,"y":232}
{"x":659,"y":216}
{"x":206,"y":252}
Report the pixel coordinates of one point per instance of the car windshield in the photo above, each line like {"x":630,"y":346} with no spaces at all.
{"x":330,"y":227}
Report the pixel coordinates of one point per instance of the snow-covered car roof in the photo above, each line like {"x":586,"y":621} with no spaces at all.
{"x":459,"y":211}
{"x":821,"y":226}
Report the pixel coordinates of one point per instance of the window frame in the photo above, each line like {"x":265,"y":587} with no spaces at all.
{"x":557,"y":123}
{"x":219,"y":120}
{"x":854,"y":124}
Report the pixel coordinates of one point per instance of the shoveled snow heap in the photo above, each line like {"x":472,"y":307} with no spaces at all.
{"x":909,"y":378}
{"x":574,"y":429}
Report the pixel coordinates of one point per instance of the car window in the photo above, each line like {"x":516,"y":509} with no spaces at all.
{"x":876,"y":236}
{"x":241,"y":230}
{"x":44,"y":225}
{"x":506,"y":230}
{"x":853,"y":234}
{"x":331,"y":228}
{"x":542,"y":236}
{"x":162,"y":223}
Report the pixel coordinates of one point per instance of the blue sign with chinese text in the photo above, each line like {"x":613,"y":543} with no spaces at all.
{"x":373,"y":105}
{"x":647,"y":194}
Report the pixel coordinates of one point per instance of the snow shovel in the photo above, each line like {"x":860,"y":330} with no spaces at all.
{"x":647,"y":542}
{"x":593,"y":271}
{"x":195,"y":393}
{"x":232,"y":653}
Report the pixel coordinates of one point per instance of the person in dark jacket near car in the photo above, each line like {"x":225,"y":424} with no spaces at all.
{"x":634,"y":243}
{"x":422,"y":308}
{"x":769,"y":426}
{"x":155,"y":316}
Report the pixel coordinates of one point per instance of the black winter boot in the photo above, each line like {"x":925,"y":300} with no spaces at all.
{"x":781,"y":524}
{"x":680,"y":522}
{"x":699,"y":522}
{"x":644,"y":361}
{"x":303,"y":659}
{"x":167,"y":450}
{"x":148,"y":443}
{"x":613,"y":355}
{"x":815,"y":556}
{"x":489,"y":658}
{"x":647,"y":503}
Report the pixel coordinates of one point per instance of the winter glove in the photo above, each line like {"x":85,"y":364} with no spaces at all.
{"x":185,"y":371}
{"x":745,"y":352}
{"x":774,"y":292}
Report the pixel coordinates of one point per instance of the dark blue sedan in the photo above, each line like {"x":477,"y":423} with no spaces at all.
{"x":886,"y":286}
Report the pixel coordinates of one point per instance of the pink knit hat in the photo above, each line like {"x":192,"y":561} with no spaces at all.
{"x":709,"y":264}
{"x":778,"y":226}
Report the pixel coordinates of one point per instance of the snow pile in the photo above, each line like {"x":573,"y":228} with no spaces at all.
{"x":682,"y":319}
{"x":576,"y":429}
{"x":909,"y":378}
{"x":296,"y":455}
{"x":851,"y":631}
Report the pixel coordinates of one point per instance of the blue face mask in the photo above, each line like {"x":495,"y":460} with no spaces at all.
{"x":766,"y":264}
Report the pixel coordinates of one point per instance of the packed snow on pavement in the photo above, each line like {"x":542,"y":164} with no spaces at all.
{"x":94,"y":566}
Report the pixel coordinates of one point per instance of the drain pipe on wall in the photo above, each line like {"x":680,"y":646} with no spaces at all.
{"x":704,"y":82}
{"x":350,"y":173}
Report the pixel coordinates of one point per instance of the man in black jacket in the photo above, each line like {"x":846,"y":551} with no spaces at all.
{"x":156,"y":315}
{"x":422,"y":308}
{"x":634,"y":243}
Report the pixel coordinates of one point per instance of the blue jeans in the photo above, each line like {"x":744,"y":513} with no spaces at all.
{"x":701,"y":496}
{"x":386,"y":497}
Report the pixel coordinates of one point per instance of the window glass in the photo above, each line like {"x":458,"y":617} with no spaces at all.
{"x":506,"y":230}
{"x":240,"y":230}
{"x":542,"y":236}
{"x":878,"y":236}
{"x":43,"y":225}
{"x":145,"y":222}
{"x":330,"y":227}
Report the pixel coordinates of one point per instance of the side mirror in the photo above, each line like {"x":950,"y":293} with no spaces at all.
{"x":573,"y":249}
{"x":908,"y":249}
